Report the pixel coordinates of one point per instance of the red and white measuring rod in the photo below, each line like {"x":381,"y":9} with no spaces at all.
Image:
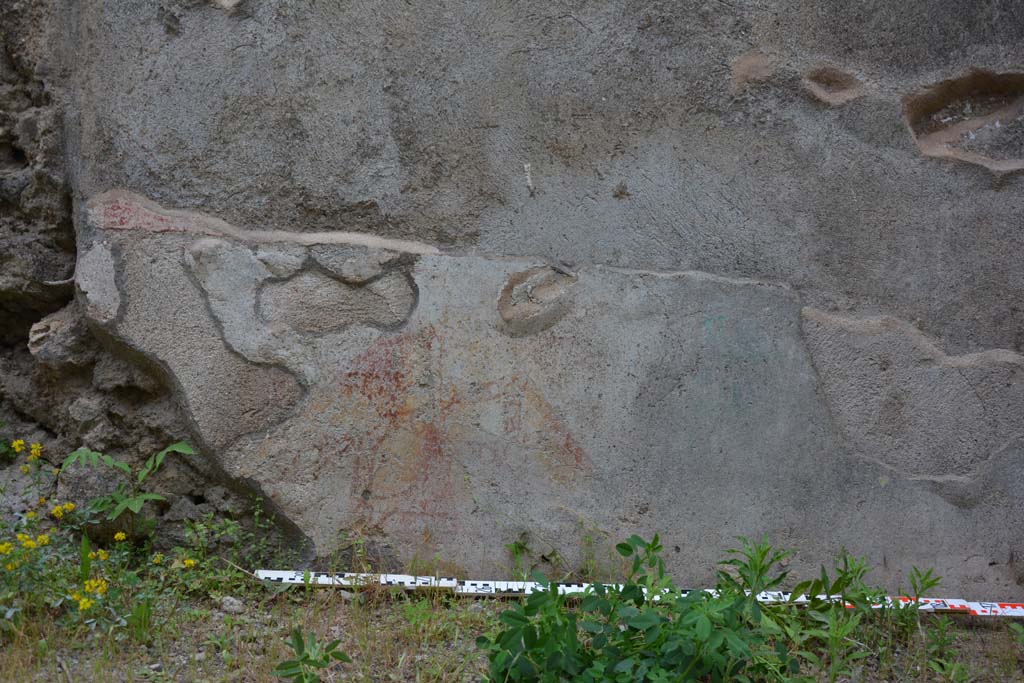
{"x":513,"y":588}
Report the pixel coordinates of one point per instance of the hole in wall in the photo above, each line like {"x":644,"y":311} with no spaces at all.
{"x":832,"y":86}
{"x":11,"y":156}
{"x":977,"y":118}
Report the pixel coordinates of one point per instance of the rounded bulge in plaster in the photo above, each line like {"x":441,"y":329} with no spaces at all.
{"x":534,"y":300}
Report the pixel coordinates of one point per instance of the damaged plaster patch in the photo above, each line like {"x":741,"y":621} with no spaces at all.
{"x":281,"y":260}
{"x":977,"y":118}
{"x":904,"y":403}
{"x":313,"y":303}
{"x":164,"y":317}
{"x":228,"y":5}
{"x":271,"y":319}
{"x":95,"y":276}
{"x":754,"y":66}
{"x":534,"y":300}
{"x":832,"y":86}
{"x":229,"y":276}
{"x":61,"y":340}
{"x":354,"y":265}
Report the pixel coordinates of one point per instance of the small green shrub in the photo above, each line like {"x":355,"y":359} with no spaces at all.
{"x":1017,"y":631}
{"x":939,"y":639}
{"x":953,"y":672}
{"x":644,"y":630}
{"x":519,"y":552}
{"x":128,"y":496}
{"x":839,"y":650}
{"x":310,"y":658}
{"x":7,"y":452}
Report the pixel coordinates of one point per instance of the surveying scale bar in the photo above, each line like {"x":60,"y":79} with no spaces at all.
{"x":514,"y":588}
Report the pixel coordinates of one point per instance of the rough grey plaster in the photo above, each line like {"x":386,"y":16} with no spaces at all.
{"x":677,"y":402}
{"x":418,"y":121}
{"x":614,"y":168}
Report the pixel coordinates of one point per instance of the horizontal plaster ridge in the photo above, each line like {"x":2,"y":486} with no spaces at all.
{"x":113,"y":211}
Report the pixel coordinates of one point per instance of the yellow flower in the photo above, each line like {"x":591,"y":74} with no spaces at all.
{"x":22,"y":537}
{"x":84,"y":604}
{"x":158,"y":558}
{"x":6,"y":548}
{"x":30,"y":544}
{"x":189,"y":563}
{"x":120,"y":536}
{"x":57,"y":512}
{"x":25,"y":469}
{"x":43,"y":539}
{"x":31,"y":514}
{"x":102,"y":554}
{"x":32,"y":457}
{"x":35,"y":450}
{"x":76,"y":596}
{"x":68,"y":507}
{"x":18,"y":445}
{"x":56,"y":471}
{"x":97,"y":586}
{"x":42,"y":500}
{"x":11,"y":566}
{"x":92,"y":555}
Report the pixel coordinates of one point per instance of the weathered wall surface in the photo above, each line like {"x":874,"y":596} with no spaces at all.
{"x":444,"y":274}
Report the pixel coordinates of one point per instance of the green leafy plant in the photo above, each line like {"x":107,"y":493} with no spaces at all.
{"x":311,"y":657}
{"x":1017,"y":631}
{"x":519,"y":552}
{"x":907,"y":615}
{"x":939,"y":637}
{"x":203,"y":536}
{"x":130,"y":496}
{"x":954,"y":672}
{"x":939,"y":640}
{"x":416,"y":612}
{"x":588,"y":570}
{"x":848,"y":588}
{"x":84,"y":559}
{"x":646,"y":629}
{"x":841,"y":651}
{"x":922,"y":582}
{"x":140,"y":621}
{"x":540,"y":638}
{"x":752,"y":565}
{"x":56,"y":579}
{"x":7,"y":454}
{"x":220,"y":642}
